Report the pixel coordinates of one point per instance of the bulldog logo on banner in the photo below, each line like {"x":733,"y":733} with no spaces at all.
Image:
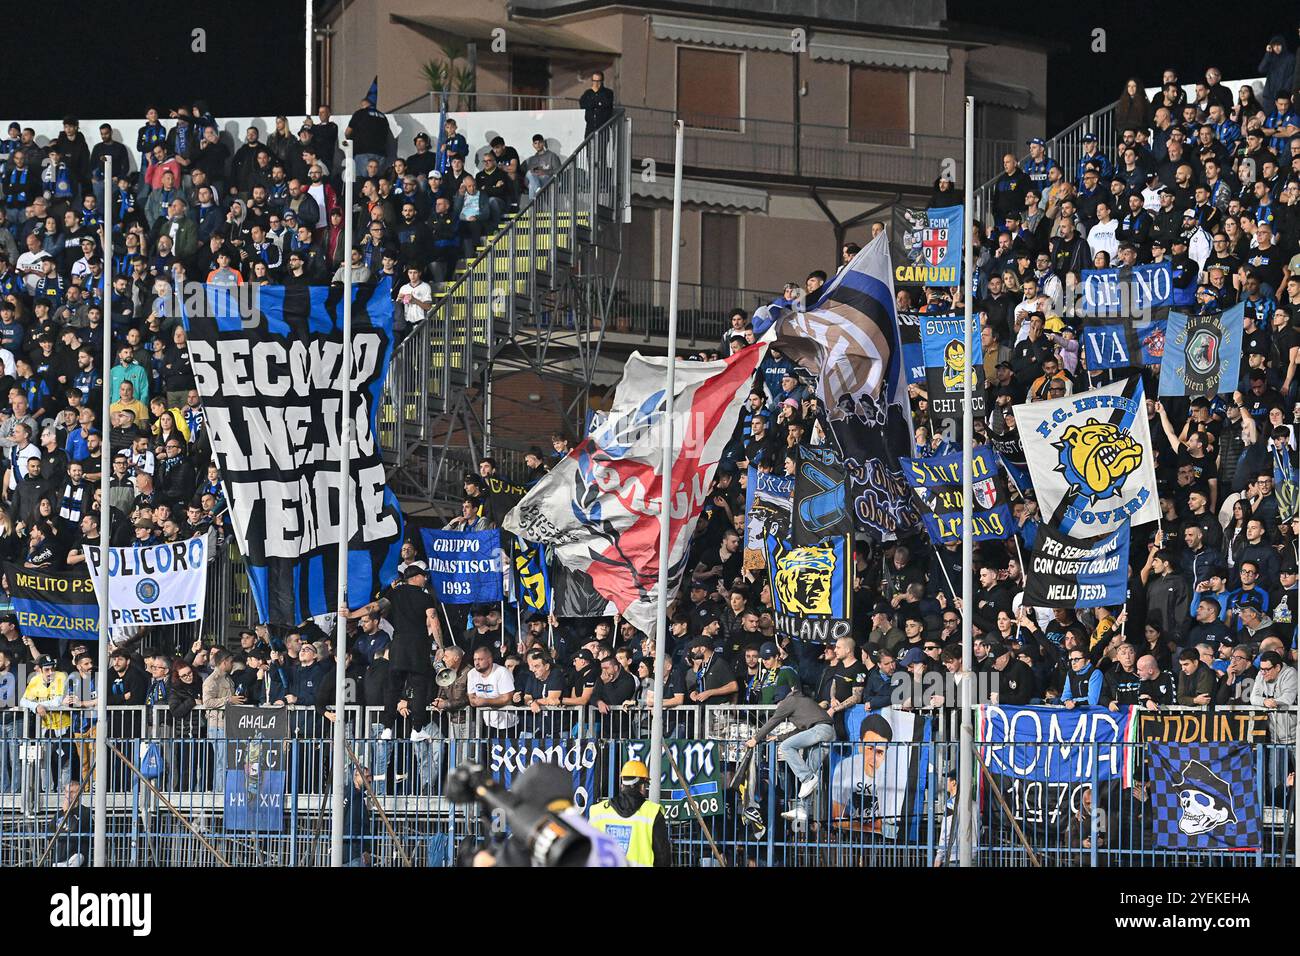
{"x":1090,"y":458}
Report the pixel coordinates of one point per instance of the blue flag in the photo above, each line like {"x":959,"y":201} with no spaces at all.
{"x":1122,"y":343}
{"x":1127,"y":291}
{"x":931,"y":246}
{"x":1202,"y":353}
{"x":465,"y":567}
{"x":943,"y":345}
{"x":254,"y":801}
{"x":532,"y":582}
{"x":1202,"y":795}
{"x":937,"y":484}
{"x":441,"y":162}
{"x":1077,"y":572}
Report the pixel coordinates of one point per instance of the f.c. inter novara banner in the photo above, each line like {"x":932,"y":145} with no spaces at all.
{"x":58,"y":604}
{"x":270,"y":388}
{"x":156,"y":584}
{"x":598,"y":509}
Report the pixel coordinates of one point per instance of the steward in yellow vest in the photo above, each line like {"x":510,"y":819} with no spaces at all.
{"x":632,"y":820}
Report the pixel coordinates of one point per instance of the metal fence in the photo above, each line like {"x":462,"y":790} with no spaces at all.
{"x":903,"y":817}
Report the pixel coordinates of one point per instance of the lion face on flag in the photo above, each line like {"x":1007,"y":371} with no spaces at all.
{"x":1097,"y":457}
{"x":803,"y":580}
{"x":954,"y":365}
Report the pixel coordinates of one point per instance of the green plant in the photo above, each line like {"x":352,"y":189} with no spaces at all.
{"x":436,"y":73}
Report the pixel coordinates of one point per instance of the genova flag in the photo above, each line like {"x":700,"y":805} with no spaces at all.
{"x":157,"y":584}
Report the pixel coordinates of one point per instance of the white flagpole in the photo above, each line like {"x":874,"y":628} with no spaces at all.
{"x":345,"y":507}
{"x":310,"y":41}
{"x":666,"y":467}
{"x":965,"y":805}
{"x":105,"y":473}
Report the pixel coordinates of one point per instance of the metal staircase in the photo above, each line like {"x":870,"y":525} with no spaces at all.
{"x":1066,"y":147}
{"x":534,"y":297}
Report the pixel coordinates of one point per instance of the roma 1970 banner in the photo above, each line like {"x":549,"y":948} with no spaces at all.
{"x":812,"y":589}
{"x":58,"y":604}
{"x":159,"y":584}
{"x":937,"y":484}
{"x":1044,"y":758}
{"x":270,"y":388}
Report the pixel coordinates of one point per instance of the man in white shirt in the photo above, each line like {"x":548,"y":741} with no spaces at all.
{"x":491,"y":686}
{"x":416,"y":296}
{"x":1101,"y":237}
{"x":29,"y":266}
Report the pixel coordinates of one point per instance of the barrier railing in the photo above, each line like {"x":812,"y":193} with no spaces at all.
{"x":873,"y":805}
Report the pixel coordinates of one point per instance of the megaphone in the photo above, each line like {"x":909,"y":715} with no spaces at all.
{"x":444,"y":676}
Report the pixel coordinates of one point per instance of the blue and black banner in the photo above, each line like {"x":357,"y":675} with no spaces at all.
{"x":928,"y":245}
{"x":1077,"y":572}
{"x":812,"y":589}
{"x":820,"y":497}
{"x":1202,"y":354}
{"x":943,"y":345}
{"x":532,"y":580}
{"x":1202,"y":795}
{"x":269,"y":369}
{"x":58,"y":604}
{"x":937,"y":484}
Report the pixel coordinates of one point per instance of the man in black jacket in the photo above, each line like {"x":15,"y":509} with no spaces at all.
{"x":1015,"y":684}
{"x":597,"y":104}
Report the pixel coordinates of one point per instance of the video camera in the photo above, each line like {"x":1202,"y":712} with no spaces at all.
{"x":548,"y":839}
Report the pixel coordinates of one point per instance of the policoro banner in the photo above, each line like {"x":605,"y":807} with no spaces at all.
{"x":60,"y":604}
{"x":155,"y":585}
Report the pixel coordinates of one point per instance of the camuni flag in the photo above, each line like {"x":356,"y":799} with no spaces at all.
{"x":598,"y":509}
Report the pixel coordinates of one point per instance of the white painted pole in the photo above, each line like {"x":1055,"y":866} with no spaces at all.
{"x":965,"y":803}
{"x":346,"y":432}
{"x":105,"y":466}
{"x":665,"y":510}
{"x":310,"y":44}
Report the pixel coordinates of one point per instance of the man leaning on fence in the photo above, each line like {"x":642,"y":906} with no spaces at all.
{"x":219,"y":690}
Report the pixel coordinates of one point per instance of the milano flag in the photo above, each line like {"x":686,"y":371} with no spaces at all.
{"x":1091,"y":459}
{"x":270,"y":389}
{"x":598,"y":509}
{"x":812,"y":589}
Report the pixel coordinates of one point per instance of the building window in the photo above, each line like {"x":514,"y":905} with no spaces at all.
{"x":708,"y":88}
{"x":719,"y":250}
{"x":880,"y":106}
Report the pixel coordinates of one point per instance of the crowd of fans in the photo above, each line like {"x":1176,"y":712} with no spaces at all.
{"x":1209,"y":185}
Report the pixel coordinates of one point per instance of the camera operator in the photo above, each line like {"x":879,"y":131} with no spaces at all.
{"x":545,"y":789}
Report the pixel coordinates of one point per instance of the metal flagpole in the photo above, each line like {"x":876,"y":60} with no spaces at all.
{"x":965,"y":805}
{"x":666,"y":473}
{"x":105,"y":474}
{"x":345,"y":508}
{"x":310,"y":41}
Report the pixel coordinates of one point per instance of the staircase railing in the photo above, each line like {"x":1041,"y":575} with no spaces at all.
{"x":507,"y":281}
{"x":1066,"y":147}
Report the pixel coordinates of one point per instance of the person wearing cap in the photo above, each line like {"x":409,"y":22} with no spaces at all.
{"x":633,"y":820}
{"x":1014,"y":682}
{"x":44,"y":697}
{"x":1038,"y":165}
{"x":713,"y":680}
{"x":776,"y":679}
{"x":1091,"y":157}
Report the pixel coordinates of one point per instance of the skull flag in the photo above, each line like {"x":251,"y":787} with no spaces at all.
{"x":1203,"y":795}
{"x":598,"y":509}
{"x":1091,"y":460}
